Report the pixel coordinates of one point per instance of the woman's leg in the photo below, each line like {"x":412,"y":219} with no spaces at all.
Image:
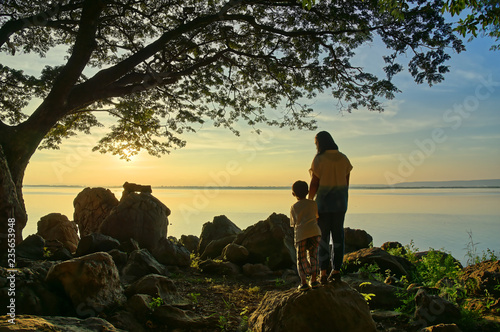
{"x":325,"y":225}
{"x":338,"y":240}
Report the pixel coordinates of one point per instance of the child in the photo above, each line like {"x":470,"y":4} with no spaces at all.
{"x":303,"y":218}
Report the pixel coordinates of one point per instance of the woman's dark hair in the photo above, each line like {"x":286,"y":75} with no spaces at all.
{"x":300,"y":189}
{"x":325,"y":142}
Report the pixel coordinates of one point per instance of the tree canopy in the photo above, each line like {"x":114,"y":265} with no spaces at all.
{"x":478,"y":16}
{"x":158,"y":67}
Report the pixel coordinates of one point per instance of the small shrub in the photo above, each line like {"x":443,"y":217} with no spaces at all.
{"x":156,"y":302}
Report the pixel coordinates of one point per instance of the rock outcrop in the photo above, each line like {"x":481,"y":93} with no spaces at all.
{"x":356,"y":239}
{"x":222,"y":230}
{"x":96,"y":242}
{"x":56,"y":226}
{"x":269,"y":242}
{"x":91,"y":282}
{"x":432,"y":310}
{"x":92,"y":206}
{"x":141,"y":217}
{"x":31,"y":247}
{"x":190,"y":242}
{"x":385,"y":261}
{"x":484,"y":276}
{"x":139,"y":264}
{"x":335,"y":307}
{"x":169,"y":253}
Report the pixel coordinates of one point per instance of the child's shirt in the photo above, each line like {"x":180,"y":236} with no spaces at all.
{"x":304,"y":219}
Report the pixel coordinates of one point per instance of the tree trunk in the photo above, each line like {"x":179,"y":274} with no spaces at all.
{"x":13,"y":215}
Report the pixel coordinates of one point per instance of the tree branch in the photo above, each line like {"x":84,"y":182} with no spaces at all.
{"x":40,"y":19}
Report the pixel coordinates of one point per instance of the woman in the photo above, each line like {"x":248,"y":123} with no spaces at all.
{"x":330,"y":172}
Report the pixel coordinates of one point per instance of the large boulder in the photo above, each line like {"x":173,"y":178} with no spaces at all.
{"x":385,"y":296}
{"x":56,"y":226}
{"x":221,"y":227}
{"x":170,"y":253}
{"x":31,"y":247}
{"x":334,"y":307}
{"x":356,"y":239}
{"x":91,"y":282}
{"x":155,"y":285}
{"x":432,"y":310}
{"x":214,"y":248}
{"x":269,"y":242}
{"x":96,"y":242}
{"x":484,"y":276}
{"x":393,"y":245}
{"x":139,"y":264}
{"x":235,"y":253}
{"x":141,"y":217}
{"x":385,"y":261}
{"x":190,"y":242}
{"x":33,"y":295}
{"x":92,"y":206}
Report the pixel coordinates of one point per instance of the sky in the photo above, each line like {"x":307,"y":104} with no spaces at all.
{"x":447,"y":132}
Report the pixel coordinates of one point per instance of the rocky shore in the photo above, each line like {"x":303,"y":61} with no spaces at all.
{"x":114,"y":268}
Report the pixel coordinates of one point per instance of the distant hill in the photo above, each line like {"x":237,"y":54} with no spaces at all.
{"x":450,"y":184}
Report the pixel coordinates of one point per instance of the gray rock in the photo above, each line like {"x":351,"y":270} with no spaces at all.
{"x":398,"y":266}
{"x":33,"y":294}
{"x":432,"y":310}
{"x":235,"y":253}
{"x":141,"y":217}
{"x":385,"y":295}
{"x":32,"y":247}
{"x":190,"y":242}
{"x":91,"y":282}
{"x":56,"y":226}
{"x":92,"y":206}
{"x":393,"y":245}
{"x":356,"y":239}
{"x":172,"y":254}
{"x":156,"y":286}
{"x":96,"y":242}
{"x":334,"y":307}
{"x":139,"y":264}
{"x":219,"y":228}
{"x":270,"y":242}
{"x":214,"y":248}
{"x":138,"y":304}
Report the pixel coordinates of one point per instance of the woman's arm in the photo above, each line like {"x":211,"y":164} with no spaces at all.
{"x":347,"y":178}
{"x":313,"y":186}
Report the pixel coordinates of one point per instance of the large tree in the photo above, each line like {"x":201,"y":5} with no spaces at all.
{"x":158,"y":66}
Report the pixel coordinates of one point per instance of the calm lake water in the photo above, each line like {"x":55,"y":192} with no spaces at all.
{"x":431,"y":218}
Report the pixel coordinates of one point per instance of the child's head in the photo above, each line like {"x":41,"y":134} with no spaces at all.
{"x":300,"y":189}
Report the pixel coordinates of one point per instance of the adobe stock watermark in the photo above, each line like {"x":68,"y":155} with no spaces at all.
{"x":248,"y":152}
{"x":452,"y":118}
{"x":11,"y":270}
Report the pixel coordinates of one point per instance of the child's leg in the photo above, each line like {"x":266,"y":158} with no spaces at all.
{"x":303,"y":266}
{"x":313,"y":245}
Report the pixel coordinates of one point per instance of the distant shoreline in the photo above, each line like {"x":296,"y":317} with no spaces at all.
{"x":396,"y":187}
